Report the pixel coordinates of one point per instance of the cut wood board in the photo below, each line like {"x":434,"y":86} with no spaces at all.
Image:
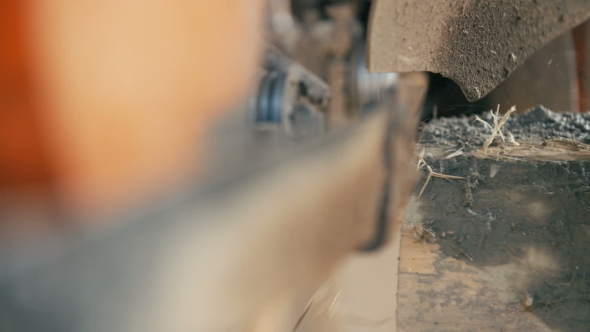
{"x":441,"y":293}
{"x":510,"y":225}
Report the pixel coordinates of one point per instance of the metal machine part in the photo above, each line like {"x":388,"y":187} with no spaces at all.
{"x":267,"y":104}
{"x":475,"y":43}
{"x":290,"y":96}
{"x":295,"y":98}
{"x":367,"y":89}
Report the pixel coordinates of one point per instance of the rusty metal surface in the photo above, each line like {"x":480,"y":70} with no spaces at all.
{"x":475,"y":43}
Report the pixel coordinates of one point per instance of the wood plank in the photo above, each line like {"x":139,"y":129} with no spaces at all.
{"x":508,"y":231}
{"x":452,"y":296}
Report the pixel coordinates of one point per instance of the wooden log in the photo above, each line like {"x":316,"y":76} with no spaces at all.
{"x":502,"y":245}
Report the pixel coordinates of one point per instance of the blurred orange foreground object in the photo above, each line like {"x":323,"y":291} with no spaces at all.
{"x":21,"y":153}
{"x":109,"y":100}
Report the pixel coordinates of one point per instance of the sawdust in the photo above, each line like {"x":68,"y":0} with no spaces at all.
{"x":514,"y":279}
{"x":509,"y":149}
{"x":550,"y":150}
{"x":497,"y":128}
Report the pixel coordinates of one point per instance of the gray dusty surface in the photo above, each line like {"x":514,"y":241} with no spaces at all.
{"x":525,"y":224}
